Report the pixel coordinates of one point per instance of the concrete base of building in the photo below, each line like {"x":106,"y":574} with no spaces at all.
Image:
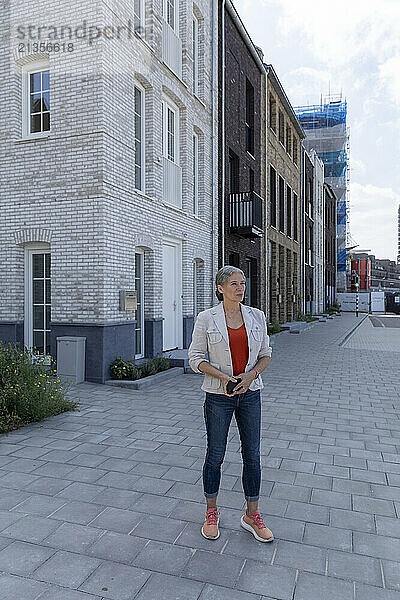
{"x":12,"y":331}
{"x":104,"y":342}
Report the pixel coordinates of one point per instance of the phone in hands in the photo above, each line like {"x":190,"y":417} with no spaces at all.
{"x":231,"y":385}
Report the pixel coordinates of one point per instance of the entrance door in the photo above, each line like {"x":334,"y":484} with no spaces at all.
{"x":172,"y":304}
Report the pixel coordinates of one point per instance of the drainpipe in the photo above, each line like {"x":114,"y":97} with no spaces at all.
{"x":214,"y":197}
{"x":303,"y":254}
{"x":267,"y":307}
{"x":223,"y":135}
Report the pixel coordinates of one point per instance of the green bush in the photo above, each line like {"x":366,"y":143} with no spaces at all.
{"x":274,"y":328}
{"x":149,"y":368}
{"x":29,"y":390}
{"x":307,"y":318}
{"x":127,"y":369}
{"x":162,"y":363}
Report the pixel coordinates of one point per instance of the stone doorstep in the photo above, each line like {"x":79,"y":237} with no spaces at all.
{"x":145,"y":382}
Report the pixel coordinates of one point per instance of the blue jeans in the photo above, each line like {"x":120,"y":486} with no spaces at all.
{"x":218,"y":410}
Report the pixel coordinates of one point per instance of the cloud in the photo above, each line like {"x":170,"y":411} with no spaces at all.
{"x":373,"y":218}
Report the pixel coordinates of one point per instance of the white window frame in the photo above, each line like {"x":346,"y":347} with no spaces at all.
{"x":142,"y":187}
{"x":167,"y":105}
{"x":140,"y":18}
{"x":140,"y":252}
{"x":37,"y":248}
{"x":34,"y":67}
{"x":174,"y":24}
{"x":195,"y":49}
{"x":196,"y":172}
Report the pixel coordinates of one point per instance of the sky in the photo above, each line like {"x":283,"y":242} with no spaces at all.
{"x":350,"y":47}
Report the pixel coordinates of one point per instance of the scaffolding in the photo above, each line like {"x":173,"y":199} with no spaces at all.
{"x":327,"y":133}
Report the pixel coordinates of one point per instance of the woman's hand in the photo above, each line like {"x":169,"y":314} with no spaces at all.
{"x":247,"y":379}
{"x":224,"y":380}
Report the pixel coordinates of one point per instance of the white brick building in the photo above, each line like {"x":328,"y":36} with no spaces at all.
{"x":318,"y":233}
{"x":108,"y":171}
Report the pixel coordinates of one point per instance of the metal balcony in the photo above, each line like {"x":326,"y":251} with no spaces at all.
{"x":245,"y":214}
{"x":172,"y":49}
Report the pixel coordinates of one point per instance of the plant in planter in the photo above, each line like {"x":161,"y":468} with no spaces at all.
{"x":162,"y":363}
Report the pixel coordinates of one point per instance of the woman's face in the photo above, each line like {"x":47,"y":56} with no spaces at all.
{"x":233,"y":288}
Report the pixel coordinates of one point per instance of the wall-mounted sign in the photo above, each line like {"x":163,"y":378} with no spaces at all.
{"x":128,"y":300}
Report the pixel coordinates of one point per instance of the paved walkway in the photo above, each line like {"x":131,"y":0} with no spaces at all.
{"x":106,"y":502}
{"x":376,"y":334}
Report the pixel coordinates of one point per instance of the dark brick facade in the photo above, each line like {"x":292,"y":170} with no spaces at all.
{"x":244,"y":170}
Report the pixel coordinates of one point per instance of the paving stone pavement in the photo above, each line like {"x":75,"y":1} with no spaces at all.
{"x":106,"y":502}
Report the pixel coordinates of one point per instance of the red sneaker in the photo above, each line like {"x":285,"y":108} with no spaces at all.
{"x":255,"y":525}
{"x":210,"y":528}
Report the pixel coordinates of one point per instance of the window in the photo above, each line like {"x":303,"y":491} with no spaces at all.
{"x":37,"y":299}
{"x":251,"y":180}
{"x":170,"y":132}
{"x":288,"y":140}
{"x":281,"y":204}
{"x":233,"y":173}
{"x":272,"y":112}
{"x":36,"y":99}
{"x":139,"y":316}
{"x":195,"y":51}
{"x":281,"y":128}
{"x":170,"y":13}
{"x":139,"y":138}
{"x":249,"y":123}
{"x":138,"y":15}
{"x":272,"y":195}
{"x":288,"y":211}
{"x":249,"y":274}
{"x":295,"y":154}
{"x":195,"y":174}
{"x":295,"y":223}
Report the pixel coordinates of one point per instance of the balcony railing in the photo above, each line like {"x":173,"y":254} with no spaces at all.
{"x":245,"y":214}
{"x":172,"y":183}
{"x":172,"y":49}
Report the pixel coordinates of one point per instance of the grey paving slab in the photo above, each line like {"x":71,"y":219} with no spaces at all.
{"x":163,"y":587}
{"x":58,"y":593}
{"x":115,"y":581}
{"x":117,"y":547}
{"x":276,"y":581}
{"x":73,"y":537}
{"x":300,"y":555}
{"x":369,"y":592}
{"x":67,"y":569}
{"x":30,"y":528}
{"x":21,"y":558}
{"x":354,"y":567}
{"x":216,"y":592}
{"x":213,"y":568}
{"x":13,"y":587}
{"x":310,"y":586}
{"x":163,"y":557}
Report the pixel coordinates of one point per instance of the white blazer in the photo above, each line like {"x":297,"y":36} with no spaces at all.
{"x":210,"y":334}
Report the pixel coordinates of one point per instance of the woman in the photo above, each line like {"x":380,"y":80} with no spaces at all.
{"x":235,"y":336}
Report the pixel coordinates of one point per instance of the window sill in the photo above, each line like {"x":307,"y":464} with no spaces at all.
{"x":251,"y":155}
{"x":32,"y":138}
{"x":141,"y":38}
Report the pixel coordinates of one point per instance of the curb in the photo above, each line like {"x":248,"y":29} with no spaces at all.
{"x":352,"y":330}
{"x":140,"y":384}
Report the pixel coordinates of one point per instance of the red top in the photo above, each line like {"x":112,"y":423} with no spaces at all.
{"x":239,"y":348}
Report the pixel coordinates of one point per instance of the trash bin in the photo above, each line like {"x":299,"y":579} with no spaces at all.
{"x":71,"y":358}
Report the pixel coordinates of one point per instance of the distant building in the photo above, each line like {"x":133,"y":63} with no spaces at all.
{"x":398,"y":237}
{"x":284,"y":135}
{"x":330,"y":245}
{"x":318,"y":231}
{"x":385,"y":273}
{"x":308,"y":235}
{"x":241,"y":154}
{"x":325,"y":125}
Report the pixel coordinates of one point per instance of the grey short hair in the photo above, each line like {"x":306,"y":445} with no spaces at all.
{"x":222,"y":277}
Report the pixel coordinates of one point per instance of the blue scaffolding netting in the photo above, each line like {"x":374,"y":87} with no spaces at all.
{"x":325,"y":126}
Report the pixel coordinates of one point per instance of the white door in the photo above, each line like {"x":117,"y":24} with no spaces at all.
{"x":172,"y":305}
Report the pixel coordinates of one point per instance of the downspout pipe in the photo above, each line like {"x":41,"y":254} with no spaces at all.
{"x":223,"y":149}
{"x":214,"y":197}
